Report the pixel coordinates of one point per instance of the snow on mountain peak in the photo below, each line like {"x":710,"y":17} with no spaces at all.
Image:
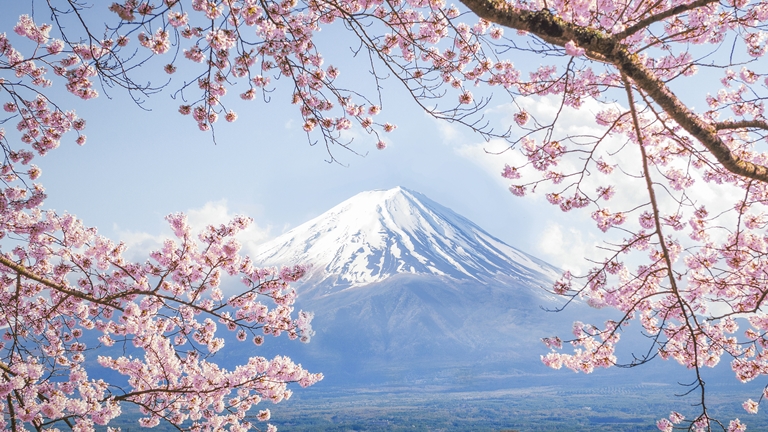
{"x":377,"y":234}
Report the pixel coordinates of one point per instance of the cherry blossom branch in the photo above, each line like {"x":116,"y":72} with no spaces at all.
{"x":646,"y":22}
{"x":742,"y":124}
{"x":686,"y":315}
{"x":609,"y":49}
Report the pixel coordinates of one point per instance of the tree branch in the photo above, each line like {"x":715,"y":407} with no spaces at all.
{"x":686,"y":310}
{"x":742,"y":124}
{"x":20,"y":269}
{"x":660,"y":16}
{"x":605,"y":48}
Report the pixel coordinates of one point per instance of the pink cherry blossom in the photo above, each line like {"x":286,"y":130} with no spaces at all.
{"x":617,"y":131}
{"x":573,"y":50}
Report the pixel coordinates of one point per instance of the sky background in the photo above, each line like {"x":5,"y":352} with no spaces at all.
{"x":141,"y":163}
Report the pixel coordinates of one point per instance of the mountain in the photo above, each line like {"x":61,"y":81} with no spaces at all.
{"x":378,"y":234}
{"x":404,"y":288}
{"x":412,"y":299}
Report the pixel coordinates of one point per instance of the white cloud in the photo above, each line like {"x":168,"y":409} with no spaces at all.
{"x":491,"y":157}
{"x":212,"y":213}
{"x":140,"y":244}
{"x":568,"y":247}
{"x":449,"y":132}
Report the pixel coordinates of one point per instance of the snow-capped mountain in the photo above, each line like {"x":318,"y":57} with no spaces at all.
{"x":402,"y":286}
{"x":407,"y":292}
{"x":378,"y":234}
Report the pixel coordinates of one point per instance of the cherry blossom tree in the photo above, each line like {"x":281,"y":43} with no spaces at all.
{"x":686,"y":254}
{"x":74,"y":310}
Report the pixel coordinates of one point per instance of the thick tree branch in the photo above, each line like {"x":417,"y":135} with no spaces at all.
{"x":603,"y":47}
{"x":11,"y":412}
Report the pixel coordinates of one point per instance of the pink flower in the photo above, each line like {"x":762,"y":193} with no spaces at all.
{"x":517,"y":190}
{"x":177,"y":19}
{"x":603,"y":167}
{"x":381,"y":145}
{"x":676,"y":417}
{"x":736,"y":426}
{"x":521,"y":118}
{"x":646,"y":220}
{"x":125,"y":12}
{"x":221,"y":39}
{"x":34,"y":172}
{"x":158,"y":43}
{"x":605,"y":192}
{"x":748,"y":76}
{"x":333,"y":72}
{"x":510,"y":172}
{"x":664,"y":425}
{"x":145,"y":9}
{"x":554,"y":198}
{"x":750,"y":406}
{"x":195,"y":54}
{"x":573,"y":50}
{"x":55,"y":46}
{"x":466,"y":98}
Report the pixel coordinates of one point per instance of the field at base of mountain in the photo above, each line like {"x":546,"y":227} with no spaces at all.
{"x":555,"y":408}
{"x":551,"y":408}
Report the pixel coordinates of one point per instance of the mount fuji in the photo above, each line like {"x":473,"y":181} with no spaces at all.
{"x":405,"y":288}
{"x":379,"y":234}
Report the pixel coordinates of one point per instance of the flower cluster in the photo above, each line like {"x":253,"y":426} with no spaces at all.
{"x":166,"y":308}
{"x":687,"y":260}
{"x":64,"y":286}
{"x":656,"y":157}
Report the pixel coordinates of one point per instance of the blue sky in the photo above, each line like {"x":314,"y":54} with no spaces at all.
{"x":141,"y":163}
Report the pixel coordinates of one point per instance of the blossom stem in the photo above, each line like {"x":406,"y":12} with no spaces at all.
{"x":689,"y":314}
